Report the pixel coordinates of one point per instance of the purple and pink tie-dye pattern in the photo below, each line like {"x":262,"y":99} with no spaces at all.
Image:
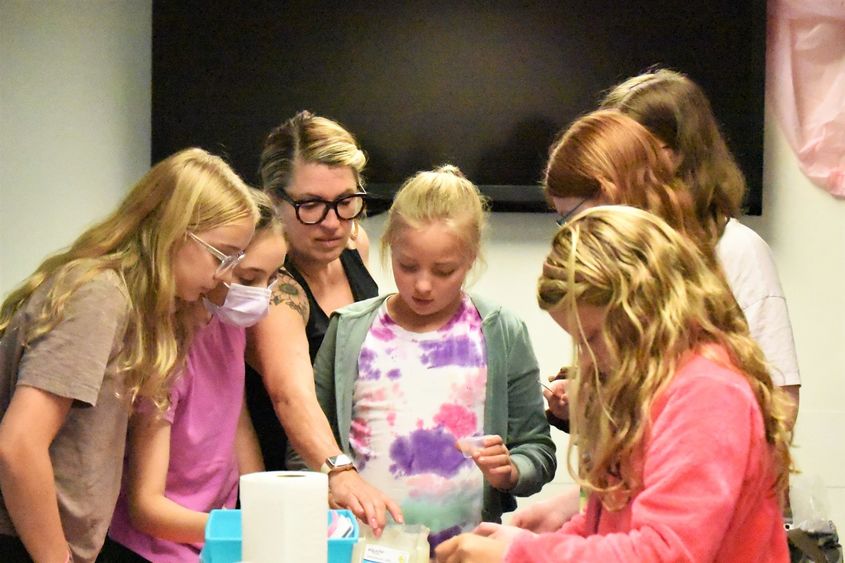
{"x":426,"y":451}
{"x":458,"y":419}
{"x":458,"y":352}
{"x":415,"y":395}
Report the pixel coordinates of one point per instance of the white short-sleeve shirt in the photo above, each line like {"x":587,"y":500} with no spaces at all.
{"x":751,"y":273}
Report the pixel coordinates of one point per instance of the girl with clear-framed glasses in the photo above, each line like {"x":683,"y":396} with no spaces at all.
{"x":166,"y":496}
{"x":95,"y":328}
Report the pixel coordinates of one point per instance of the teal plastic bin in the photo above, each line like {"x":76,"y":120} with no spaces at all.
{"x":340,"y":549}
{"x":223,"y":538}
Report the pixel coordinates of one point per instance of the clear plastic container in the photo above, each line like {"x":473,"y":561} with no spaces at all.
{"x":398,"y":543}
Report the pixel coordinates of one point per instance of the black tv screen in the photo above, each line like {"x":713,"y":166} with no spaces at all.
{"x":484,"y":85}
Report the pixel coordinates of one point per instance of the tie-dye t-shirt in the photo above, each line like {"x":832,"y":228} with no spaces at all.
{"x":416,"y":394}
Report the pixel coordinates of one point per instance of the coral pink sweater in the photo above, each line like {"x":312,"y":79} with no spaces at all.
{"x":707,"y":484}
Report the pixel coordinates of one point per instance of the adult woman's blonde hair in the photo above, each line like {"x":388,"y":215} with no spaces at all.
{"x":662,"y":300}
{"x":440,"y":195}
{"x":190,"y":191}
{"x":608,"y":155}
{"x":307,"y":138}
{"x":675,"y":109}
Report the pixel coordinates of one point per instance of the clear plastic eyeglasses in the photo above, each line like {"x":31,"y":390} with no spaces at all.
{"x":227,"y":261}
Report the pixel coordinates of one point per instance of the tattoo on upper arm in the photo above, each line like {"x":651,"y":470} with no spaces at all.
{"x":287,"y":291}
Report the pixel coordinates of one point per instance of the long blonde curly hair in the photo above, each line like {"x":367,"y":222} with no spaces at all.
{"x":662,"y":300}
{"x":191,"y":190}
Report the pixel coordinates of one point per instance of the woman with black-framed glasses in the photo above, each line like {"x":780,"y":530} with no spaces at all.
{"x":315,"y":211}
{"x":311,"y":167}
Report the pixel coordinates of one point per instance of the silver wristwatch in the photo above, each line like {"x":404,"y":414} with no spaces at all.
{"x":337,"y":463}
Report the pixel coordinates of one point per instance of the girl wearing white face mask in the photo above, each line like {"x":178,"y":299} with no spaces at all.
{"x":187,"y":462}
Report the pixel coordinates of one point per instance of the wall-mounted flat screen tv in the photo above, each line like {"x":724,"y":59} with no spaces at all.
{"x":483,"y":85}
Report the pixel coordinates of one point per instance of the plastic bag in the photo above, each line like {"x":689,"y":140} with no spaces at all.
{"x":812,"y":535}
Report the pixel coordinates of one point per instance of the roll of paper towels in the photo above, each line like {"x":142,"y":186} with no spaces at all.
{"x":284,"y":517}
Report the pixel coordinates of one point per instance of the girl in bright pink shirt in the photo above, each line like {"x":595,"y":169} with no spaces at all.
{"x":681,"y":436}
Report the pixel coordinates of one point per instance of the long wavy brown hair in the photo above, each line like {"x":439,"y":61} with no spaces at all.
{"x":662,"y":301}
{"x":676,"y":110}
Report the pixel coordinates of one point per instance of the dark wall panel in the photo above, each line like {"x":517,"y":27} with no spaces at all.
{"x":484,"y":85}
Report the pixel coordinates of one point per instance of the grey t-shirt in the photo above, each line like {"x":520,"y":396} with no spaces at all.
{"x":77,"y":360}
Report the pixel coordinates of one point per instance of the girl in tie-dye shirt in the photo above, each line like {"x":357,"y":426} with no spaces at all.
{"x":407,"y":377}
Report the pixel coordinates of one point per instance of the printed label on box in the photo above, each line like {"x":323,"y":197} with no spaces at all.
{"x":381,"y":554}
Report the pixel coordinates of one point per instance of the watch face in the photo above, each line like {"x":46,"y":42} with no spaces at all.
{"x":339,"y":460}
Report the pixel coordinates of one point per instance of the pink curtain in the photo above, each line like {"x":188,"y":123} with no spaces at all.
{"x":806,"y":83}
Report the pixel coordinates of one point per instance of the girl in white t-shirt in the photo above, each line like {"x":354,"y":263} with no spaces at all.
{"x":676,"y":111}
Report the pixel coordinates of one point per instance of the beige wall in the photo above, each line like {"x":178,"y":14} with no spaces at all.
{"x":75,"y":133}
{"x":805,"y":226}
{"x":74,"y":120}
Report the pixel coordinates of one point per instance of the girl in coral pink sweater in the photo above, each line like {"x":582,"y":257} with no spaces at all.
{"x":681,"y":436}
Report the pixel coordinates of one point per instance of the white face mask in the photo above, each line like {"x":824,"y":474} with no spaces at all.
{"x":244,"y":305}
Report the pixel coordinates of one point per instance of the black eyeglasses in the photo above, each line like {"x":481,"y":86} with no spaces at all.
{"x":314,"y":211}
{"x":563,"y":219}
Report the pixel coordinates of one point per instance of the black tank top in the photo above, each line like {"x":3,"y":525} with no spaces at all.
{"x":271,"y":435}
{"x":360,"y":282}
